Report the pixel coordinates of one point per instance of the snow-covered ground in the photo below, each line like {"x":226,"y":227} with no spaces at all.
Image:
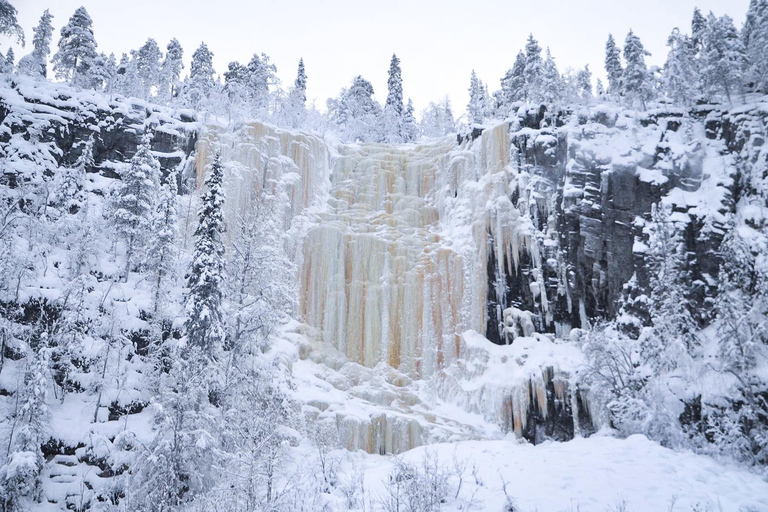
{"x":599,"y":474}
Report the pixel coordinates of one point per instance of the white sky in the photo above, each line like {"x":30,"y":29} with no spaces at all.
{"x":439,"y":42}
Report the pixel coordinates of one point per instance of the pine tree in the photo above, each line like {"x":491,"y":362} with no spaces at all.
{"x":134,"y":202}
{"x":77,"y":49}
{"x":636,"y":83}
{"x":584,"y":83}
{"x":755,"y":40}
{"x":723,"y":56}
{"x":534,"y":71}
{"x":148,"y":67}
{"x":36,"y":63}
{"x":681,"y":77}
{"x":102,"y":72}
{"x":9,"y":26}
{"x":476,"y":105}
{"x":170,"y":71}
{"x":613,"y":68}
{"x":200,"y":83}
{"x":205,"y":325}
{"x":161,"y":257}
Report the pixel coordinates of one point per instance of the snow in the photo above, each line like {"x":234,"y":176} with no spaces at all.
{"x":590,"y":475}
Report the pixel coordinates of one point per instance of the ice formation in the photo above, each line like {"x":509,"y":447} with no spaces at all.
{"x":394,"y":254}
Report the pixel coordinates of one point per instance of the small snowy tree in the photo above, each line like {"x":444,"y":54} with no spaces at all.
{"x":70,"y":189}
{"x":512,"y":86}
{"x":410,"y":127}
{"x":584,"y":83}
{"x":356,"y":113}
{"x":77,"y":49}
{"x":134,"y":202}
{"x":205,"y":326}
{"x":613,"y":67}
{"x":261,"y":75}
{"x":698,"y":27}
{"x":36,"y":63}
{"x":551,"y":91}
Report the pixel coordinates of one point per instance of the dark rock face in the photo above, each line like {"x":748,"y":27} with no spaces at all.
{"x":57,"y":118}
{"x":596,"y":180}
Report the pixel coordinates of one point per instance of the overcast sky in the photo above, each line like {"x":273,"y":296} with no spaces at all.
{"x":438,"y":41}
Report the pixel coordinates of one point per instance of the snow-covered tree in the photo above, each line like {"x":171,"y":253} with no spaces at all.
{"x":723,"y":56}
{"x":36,"y":63}
{"x":70,"y":187}
{"x":681,"y":77}
{"x":170,"y":71}
{"x":9,"y":26}
{"x":9,"y":63}
{"x":260,"y":77}
{"x":512,"y":86}
{"x":551,"y":90}
{"x":673,"y":334}
{"x":437,"y":119}
{"x":584,"y":83}
{"x":356,"y":114}
{"x":300,"y":84}
{"x":476,"y":106}
{"x":410,"y":127}
{"x":161,"y":256}
{"x":613,"y":67}
{"x":77,"y":49}
{"x":755,"y":39}
{"x":201,"y":82}
{"x":600,"y":89}
{"x":394,"y":107}
{"x":148,"y":67}
{"x":204,"y":325}
{"x":534,"y":70}
{"x":636,"y":81}
{"x":698,"y":27}
{"x":134,"y":202}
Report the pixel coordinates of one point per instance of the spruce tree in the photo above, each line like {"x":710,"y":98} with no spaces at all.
{"x":205,"y":326}
{"x":534,"y":71}
{"x":133,"y":204}
{"x":723,"y":56}
{"x":260,"y":76}
{"x":77,"y":49}
{"x":636,"y":83}
{"x":476,"y":105}
{"x":148,"y":67}
{"x":698,"y":27}
{"x":70,"y":193}
{"x":680,"y":76}
{"x":584,"y":83}
{"x":513,"y":85}
{"x":300,"y":85}
{"x":551,"y":83}
{"x":170,"y":71}
{"x":36,"y":63}
{"x":394,"y":106}
{"x":161,"y":257}
{"x":600,"y":89}
{"x":200,"y":83}
{"x":755,"y":40}
{"x":410,"y":128}
{"x":613,"y":67}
